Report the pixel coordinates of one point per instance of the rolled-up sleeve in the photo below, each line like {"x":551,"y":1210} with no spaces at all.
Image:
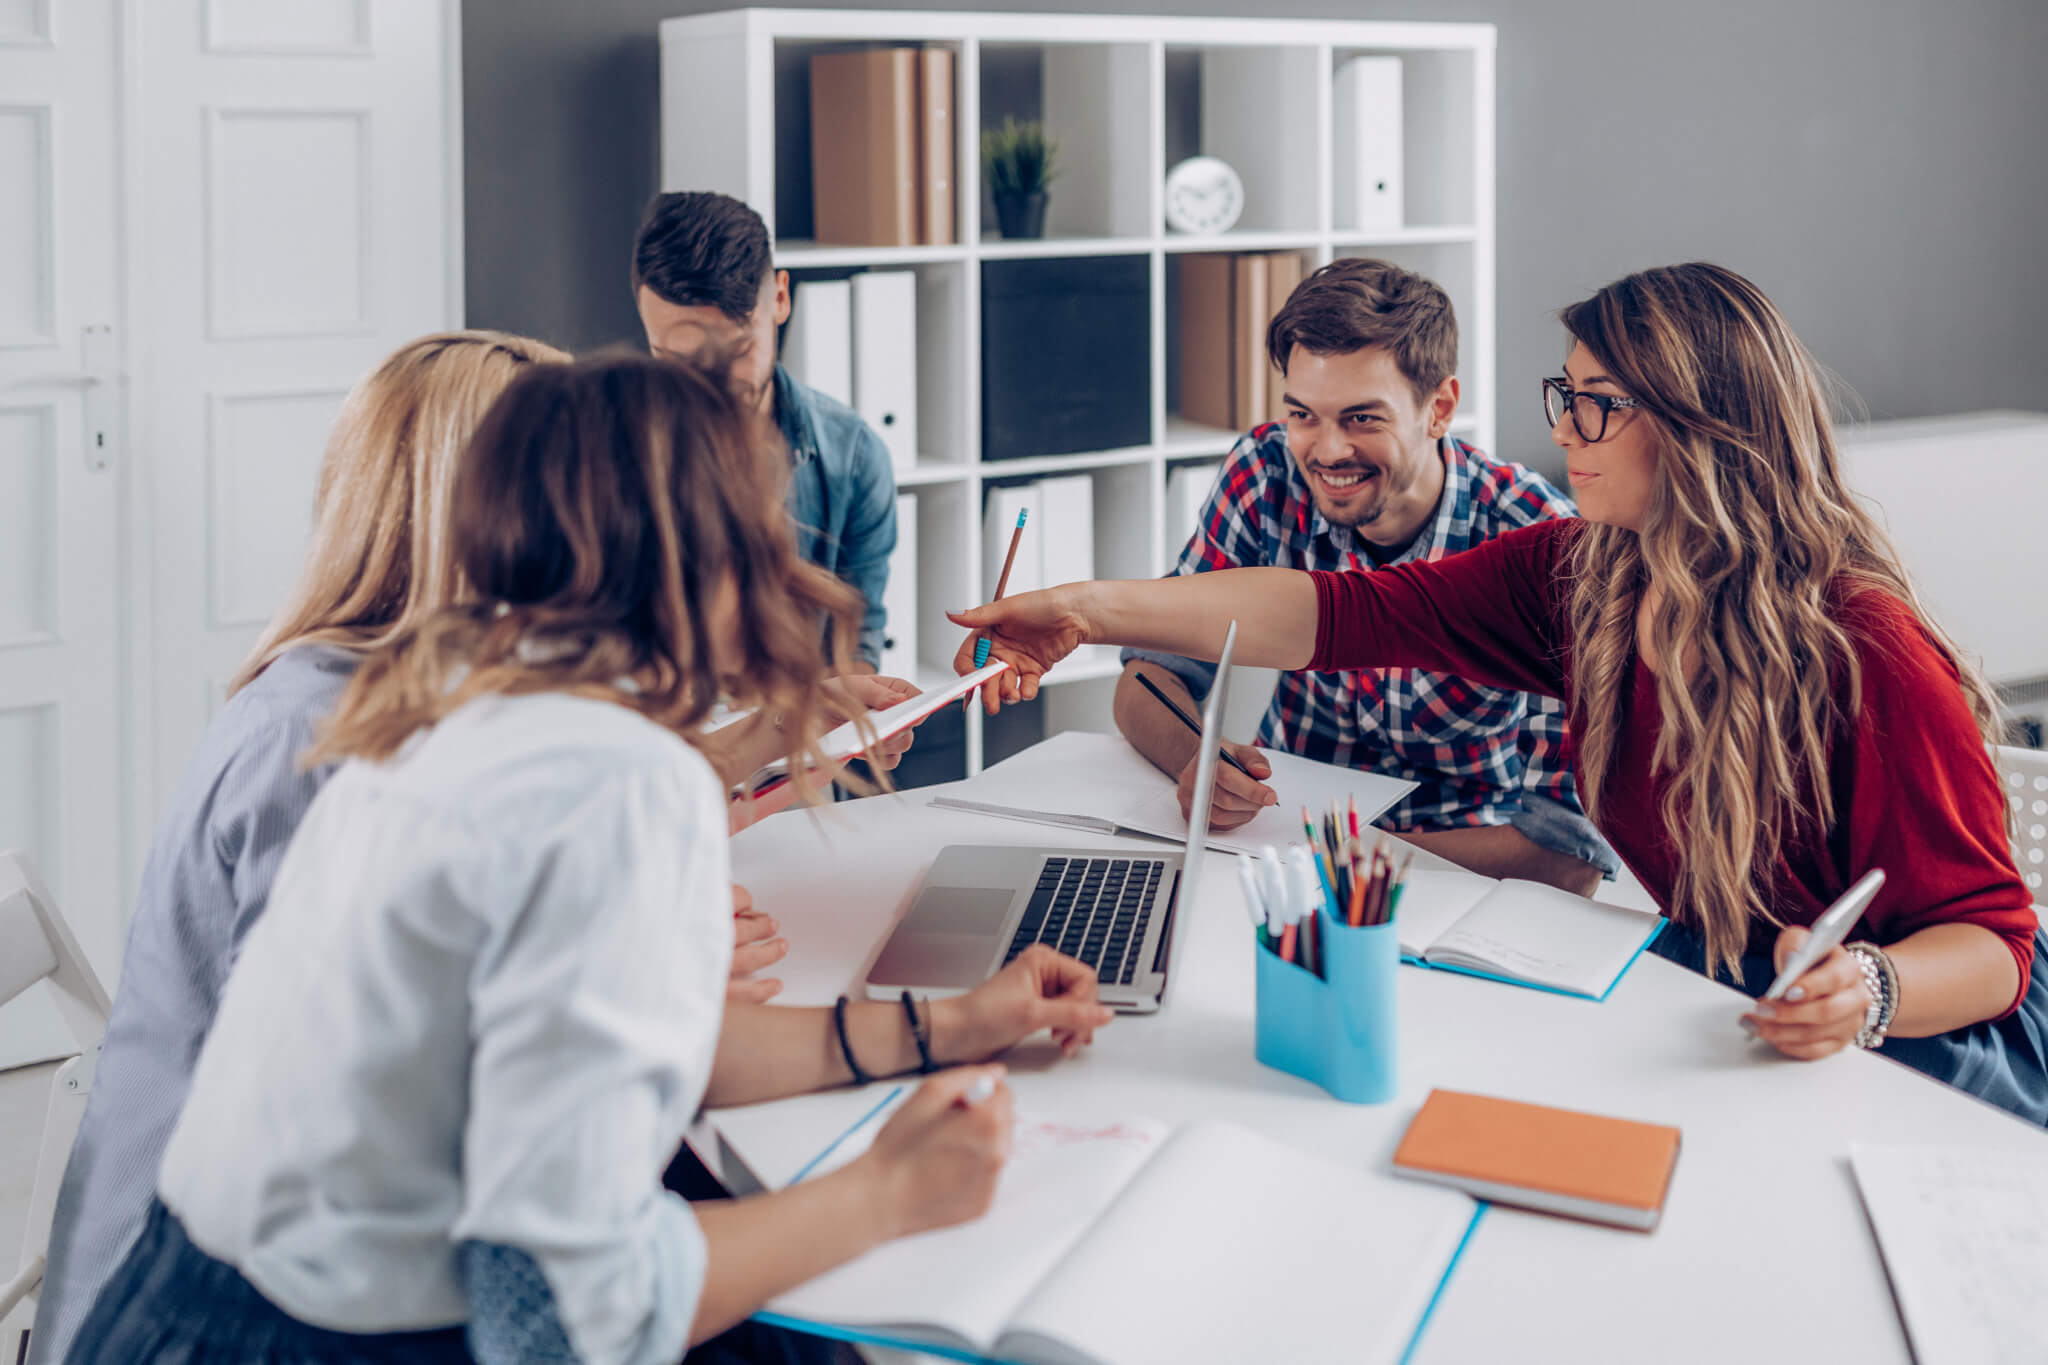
{"x":595,"y":1011}
{"x":1917,"y":794}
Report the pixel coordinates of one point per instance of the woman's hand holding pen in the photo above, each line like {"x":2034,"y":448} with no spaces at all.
{"x":1823,"y":1011}
{"x":1042,"y":989}
{"x":1030,"y":632}
{"x":936,"y":1161}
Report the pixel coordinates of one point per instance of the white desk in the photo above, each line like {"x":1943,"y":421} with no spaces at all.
{"x":1763,"y":1245}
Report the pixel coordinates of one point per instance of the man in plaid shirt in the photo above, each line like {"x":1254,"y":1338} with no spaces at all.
{"x":1363,"y":474}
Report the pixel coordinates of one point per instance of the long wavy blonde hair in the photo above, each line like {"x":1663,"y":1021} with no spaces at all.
{"x":609,"y":515}
{"x":379,"y":558}
{"x":1752,"y":540}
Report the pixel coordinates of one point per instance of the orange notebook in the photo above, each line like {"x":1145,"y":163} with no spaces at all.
{"x":1557,"y":1160}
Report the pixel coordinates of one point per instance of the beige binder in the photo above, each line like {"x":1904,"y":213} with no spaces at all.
{"x":864,"y":145}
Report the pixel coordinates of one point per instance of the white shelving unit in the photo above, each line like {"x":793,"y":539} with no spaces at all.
{"x":1118,"y":92}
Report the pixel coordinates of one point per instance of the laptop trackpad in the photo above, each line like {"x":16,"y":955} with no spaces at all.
{"x":949,"y":939}
{"x":962,"y":909}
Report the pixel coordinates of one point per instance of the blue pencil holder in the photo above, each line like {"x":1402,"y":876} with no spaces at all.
{"x":1340,"y":1030}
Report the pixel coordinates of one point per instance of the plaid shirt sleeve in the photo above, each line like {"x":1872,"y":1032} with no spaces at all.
{"x":1231,"y":534}
{"x":1526,"y":499}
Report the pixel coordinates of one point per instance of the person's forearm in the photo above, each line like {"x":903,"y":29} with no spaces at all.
{"x":768,"y":1051}
{"x":1189,"y":614}
{"x":765,"y":1245}
{"x":1153,"y":730}
{"x":1951,"y":976}
{"x":1502,"y":851}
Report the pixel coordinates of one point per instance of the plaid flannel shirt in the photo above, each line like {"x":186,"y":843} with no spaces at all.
{"x":1472,"y":749}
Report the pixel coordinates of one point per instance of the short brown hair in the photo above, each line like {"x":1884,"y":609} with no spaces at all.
{"x":1356,"y":303}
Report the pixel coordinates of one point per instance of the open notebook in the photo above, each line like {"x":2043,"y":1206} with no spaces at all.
{"x":1298,"y":781}
{"x":1127,"y":1243}
{"x":1524,"y":933}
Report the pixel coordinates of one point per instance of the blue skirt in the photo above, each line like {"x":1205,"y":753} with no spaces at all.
{"x":172,"y":1304}
{"x":2003,"y":1061}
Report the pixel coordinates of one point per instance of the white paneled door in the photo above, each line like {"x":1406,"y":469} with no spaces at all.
{"x":215,"y":216}
{"x":61,"y":793}
{"x":301,"y":223}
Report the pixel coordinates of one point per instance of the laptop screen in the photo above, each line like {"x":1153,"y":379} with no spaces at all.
{"x":1205,"y":772}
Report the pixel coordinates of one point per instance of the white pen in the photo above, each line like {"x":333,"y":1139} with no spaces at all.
{"x":984,"y":1086}
{"x":1829,"y":930}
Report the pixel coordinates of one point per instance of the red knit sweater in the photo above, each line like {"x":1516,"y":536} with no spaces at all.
{"x":1915,"y":791}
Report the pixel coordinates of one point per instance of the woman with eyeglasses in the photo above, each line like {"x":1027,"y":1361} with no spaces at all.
{"x":1761,"y":709}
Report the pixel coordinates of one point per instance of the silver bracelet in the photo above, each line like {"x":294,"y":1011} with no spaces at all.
{"x":1881,"y":980}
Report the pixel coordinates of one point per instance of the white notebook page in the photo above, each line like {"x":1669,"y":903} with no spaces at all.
{"x":1230,"y":1246}
{"x":1538,"y":933}
{"x":1965,"y":1241}
{"x":969,"y":1279}
{"x":1431,"y":902}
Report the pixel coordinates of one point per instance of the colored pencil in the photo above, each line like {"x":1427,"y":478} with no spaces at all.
{"x":981,"y":646}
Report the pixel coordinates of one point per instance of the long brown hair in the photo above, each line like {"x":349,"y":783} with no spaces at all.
{"x":379,"y":559}
{"x":1753,"y":541}
{"x":609,"y":515}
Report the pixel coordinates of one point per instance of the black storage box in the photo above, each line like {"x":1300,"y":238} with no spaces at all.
{"x":1066,"y":355}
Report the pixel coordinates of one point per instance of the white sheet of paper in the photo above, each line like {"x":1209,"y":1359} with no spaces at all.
{"x":1298,"y":782}
{"x":1538,"y":933}
{"x":1965,"y":1240}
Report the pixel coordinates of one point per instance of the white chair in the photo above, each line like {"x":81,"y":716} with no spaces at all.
{"x":36,"y":944}
{"x":2026,"y":785}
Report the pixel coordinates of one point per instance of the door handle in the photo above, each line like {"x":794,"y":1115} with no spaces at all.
{"x":98,"y":382}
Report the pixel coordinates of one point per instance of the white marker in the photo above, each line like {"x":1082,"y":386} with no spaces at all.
{"x":984,"y":1086}
{"x":1254,"y":899}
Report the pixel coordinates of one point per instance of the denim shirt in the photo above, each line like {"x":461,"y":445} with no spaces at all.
{"x":842,"y":497}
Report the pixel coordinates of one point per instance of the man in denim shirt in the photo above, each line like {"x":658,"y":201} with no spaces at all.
{"x":704,"y":276}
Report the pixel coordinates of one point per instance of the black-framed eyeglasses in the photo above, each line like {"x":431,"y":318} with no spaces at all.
{"x":1589,"y":410}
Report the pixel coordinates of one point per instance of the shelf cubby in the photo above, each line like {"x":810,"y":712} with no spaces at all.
{"x":1128,"y":97}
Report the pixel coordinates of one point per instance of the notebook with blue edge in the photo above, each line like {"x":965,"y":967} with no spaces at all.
{"x":1117,"y":1292}
{"x":1520,"y":933}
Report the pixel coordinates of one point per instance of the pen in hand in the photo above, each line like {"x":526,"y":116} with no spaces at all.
{"x":1185,"y":719}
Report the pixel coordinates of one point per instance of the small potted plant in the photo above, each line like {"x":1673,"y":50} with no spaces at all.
{"x":1019,"y":161}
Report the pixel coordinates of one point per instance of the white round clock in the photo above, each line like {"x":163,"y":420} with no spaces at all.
{"x":1203,"y":196}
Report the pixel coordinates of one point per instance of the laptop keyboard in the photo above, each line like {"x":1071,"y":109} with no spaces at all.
{"x":1094,"y":909}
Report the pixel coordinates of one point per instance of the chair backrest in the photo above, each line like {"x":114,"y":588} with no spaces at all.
{"x":35,"y":943}
{"x":2026,"y":786}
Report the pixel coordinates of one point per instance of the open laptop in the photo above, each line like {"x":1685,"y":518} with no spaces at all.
{"x":1117,"y":910}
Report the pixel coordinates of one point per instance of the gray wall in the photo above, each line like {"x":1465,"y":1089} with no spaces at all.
{"x":1876,"y":165}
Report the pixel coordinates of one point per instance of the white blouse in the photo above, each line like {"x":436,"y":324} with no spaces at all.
{"x":481,"y":1009}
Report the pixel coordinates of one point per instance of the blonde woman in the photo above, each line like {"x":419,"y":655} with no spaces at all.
{"x":378,"y":565}
{"x":488,"y":996}
{"x":1762,"y":711}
